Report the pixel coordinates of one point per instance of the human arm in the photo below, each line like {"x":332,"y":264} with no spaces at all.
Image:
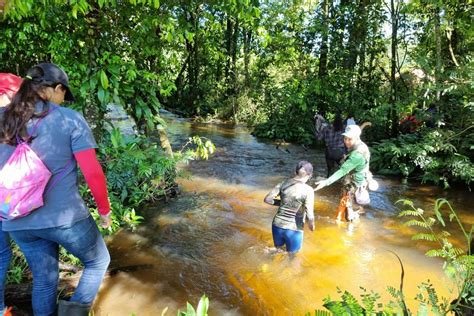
{"x":309,"y":205}
{"x":355,"y":159}
{"x":95,"y":178}
{"x":270,"y":197}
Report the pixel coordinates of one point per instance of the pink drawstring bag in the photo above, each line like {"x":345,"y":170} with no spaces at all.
{"x":22,"y":182}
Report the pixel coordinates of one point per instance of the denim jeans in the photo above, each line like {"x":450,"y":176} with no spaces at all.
{"x":41,"y":246}
{"x":5,"y":256}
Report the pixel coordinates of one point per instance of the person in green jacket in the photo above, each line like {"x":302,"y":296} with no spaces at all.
{"x":355,"y":170}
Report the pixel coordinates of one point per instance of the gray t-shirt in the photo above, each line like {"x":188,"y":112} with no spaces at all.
{"x":60,"y":134}
{"x":297,"y":203}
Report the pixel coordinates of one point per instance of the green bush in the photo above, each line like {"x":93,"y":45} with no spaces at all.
{"x":433,"y":155}
{"x":139,"y":172}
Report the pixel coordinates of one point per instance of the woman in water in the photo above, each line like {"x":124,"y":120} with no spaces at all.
{"x":294,"y":206}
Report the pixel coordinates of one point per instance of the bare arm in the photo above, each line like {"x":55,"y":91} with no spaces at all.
{"x":270,"y":197}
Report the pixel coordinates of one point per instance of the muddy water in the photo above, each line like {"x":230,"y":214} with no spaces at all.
{"x":216,"y":239}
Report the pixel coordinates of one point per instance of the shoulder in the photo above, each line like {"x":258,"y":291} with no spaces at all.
{"x":356,"y":155}
{"x":71,"y":116}
{"x":309,"y":188}
{"x":67,"y":112}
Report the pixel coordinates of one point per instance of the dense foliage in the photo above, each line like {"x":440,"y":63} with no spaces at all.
{"x":271,"y":64}
{"x":140,"y":173}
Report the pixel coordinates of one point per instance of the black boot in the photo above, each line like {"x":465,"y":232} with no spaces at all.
{"x":68,"y":308}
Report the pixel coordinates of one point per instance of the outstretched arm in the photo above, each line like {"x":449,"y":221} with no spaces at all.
{"x":354,"y":160}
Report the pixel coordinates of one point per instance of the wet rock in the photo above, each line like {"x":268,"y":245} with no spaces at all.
{"x":118,"y":118}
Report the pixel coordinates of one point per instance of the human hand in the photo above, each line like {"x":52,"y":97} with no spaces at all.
{"x":319,"y":185}
{"x":311,"y":226}
{"x":105,"y":220}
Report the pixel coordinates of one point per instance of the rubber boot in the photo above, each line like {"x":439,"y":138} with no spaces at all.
{"x":68,"y":308}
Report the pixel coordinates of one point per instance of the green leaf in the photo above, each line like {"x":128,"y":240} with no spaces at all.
{"x":104,"y":81}
{"x":203,"y":306}
{"x":190,"y":310}
{"x":101,"y":95}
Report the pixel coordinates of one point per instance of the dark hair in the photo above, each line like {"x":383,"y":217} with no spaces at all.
{"x":22,"y":108}
{"x":306,"y":166}
{"x":338,"y":123}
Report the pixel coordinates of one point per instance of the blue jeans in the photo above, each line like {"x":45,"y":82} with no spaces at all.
{"x":5,"y":256}
{"x":293,"y":239}
{"x":41,"y":247}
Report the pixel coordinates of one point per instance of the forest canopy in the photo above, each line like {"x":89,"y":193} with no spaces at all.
{"x":271,"y":65}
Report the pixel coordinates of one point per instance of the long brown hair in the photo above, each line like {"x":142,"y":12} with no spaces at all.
{"x":23,"y":108}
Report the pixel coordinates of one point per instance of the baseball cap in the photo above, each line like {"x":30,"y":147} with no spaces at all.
{"x":9,"y":84}
{"x":306,"y":165}
{"x":352,"y":131}
{"x":50,"y":74}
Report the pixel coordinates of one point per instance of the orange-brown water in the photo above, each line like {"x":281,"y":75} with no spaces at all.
{"x":216,"y":239}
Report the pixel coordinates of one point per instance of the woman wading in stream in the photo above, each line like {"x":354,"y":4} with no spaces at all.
{"x":294,"y":206}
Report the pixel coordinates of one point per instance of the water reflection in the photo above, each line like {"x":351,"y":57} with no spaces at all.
{"x":216,"y":239}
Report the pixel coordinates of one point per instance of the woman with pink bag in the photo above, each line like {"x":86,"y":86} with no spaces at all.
{"x":62,"y":140}
{"x":9,"y":85}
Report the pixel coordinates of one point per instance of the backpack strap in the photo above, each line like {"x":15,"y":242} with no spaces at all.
{"x":59,"y":177}
{"x":35,"y":127}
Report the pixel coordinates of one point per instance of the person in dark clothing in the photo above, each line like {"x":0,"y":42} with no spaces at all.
{"x":335,"y":149}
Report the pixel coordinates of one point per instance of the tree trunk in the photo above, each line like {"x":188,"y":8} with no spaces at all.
{"x":437,"y":30}
{"x":233,"y":77}
{"x":247,"y":42}
{"x":339,"y":26}
{"x":393,"y":68}
{"x":164,"y":141}
{"x":323,"y":56}
{"x":228,"y":45}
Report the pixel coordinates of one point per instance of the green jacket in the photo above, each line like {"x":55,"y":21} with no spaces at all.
{"x":356,"y":164}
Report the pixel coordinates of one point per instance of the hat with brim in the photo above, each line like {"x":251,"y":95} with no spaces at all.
{"x":51,"y":74}
{"x":352,"y":131}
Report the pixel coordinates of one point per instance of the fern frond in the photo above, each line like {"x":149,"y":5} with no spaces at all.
{"x":321,"y":313}
{"x":409,"y":213}
{"x":392,"y":291}
{"x":415,"y":222}
{"x":431,"y":221}
{"x":458,"y":251}
{"x":444,"y":234}
{"x":434,"y":253}
{"x":405,"y":202}
{"x":421,"y":236}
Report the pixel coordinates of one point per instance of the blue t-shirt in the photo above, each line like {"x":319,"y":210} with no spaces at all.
{"x":60,"y":134}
